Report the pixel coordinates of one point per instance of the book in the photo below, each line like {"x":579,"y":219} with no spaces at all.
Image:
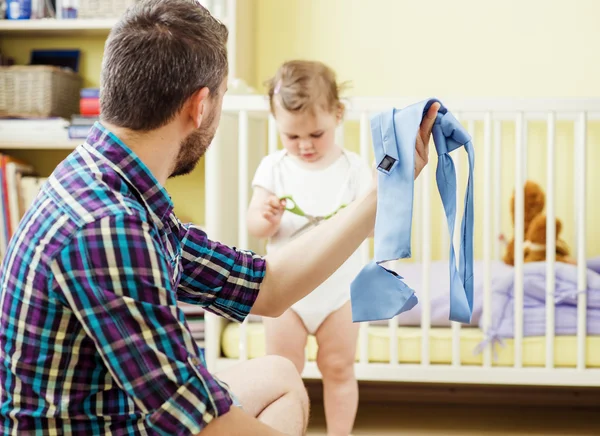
{"x":15,"y":196}
{"x":90,"y":93}
{"x":89,"y":106}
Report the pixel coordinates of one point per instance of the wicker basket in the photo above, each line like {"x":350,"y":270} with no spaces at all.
{"x":38,"y":91}
{"x":103,"y":8}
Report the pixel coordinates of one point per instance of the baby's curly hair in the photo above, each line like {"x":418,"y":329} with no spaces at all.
{"x":301,"y":85}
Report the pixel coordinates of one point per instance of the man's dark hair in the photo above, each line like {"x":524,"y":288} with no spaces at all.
{"x":156,"y":57}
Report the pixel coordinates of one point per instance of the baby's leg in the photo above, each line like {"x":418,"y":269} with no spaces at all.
{"x":286,"y":336}
{"x":337,"y":338}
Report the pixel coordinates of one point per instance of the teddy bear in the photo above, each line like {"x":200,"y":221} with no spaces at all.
{"x":534,"y":204}
{"x":535,"y":242}
{"x":535,"y":229}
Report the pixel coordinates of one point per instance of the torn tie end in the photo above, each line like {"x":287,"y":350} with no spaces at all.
{"x":461,"y":318}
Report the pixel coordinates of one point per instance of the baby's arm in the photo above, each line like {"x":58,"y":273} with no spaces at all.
{"x":264,"y":213}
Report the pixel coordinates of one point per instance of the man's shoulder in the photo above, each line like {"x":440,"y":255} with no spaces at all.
{"x":87,"y":194}
{"x":74,"y":199}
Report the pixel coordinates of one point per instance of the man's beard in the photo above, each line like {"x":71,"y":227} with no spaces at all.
{"x":193,"y":147}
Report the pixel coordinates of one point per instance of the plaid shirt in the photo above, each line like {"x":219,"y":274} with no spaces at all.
{"x":92,"y":339}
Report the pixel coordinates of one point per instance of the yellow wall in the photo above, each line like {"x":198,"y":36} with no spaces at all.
{"x":459,"y":48}
{"x":438,"y":47}
{"x":531,"y":48}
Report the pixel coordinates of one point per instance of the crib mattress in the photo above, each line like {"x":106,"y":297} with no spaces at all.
{"x":440,"y":350}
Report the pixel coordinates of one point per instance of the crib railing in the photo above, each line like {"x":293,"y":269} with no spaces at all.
{"x":247,"y":127}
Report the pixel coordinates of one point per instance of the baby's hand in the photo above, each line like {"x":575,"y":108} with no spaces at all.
{"x":273,"y":209}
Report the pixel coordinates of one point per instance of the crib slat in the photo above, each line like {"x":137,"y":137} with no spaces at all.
{"x":471,"y":128}
{"x":417,"y":252}
{"x":363,"y":334}
{"x":242,"y":178}
{"x":455,"y":343}
{"x":487,"y":233}
{"x":364,"y":136}
{"x":498,"y":206}
{"x":519,"y":239}
{"x":580,"y":156}
{"x":364,"y":154}
{"x":525,"y":148}
{"x":363,"y":342}
{"x":272,"y":135}
{"x":425,"y":262}
{"x":393,"y":328}
{"x":243,"y":142}
{"x":550,"y":240}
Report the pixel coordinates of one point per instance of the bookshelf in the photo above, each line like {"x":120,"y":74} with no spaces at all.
{"x":56,"y":28}
{"x":17,"y":38}
{"x":32,"y":145}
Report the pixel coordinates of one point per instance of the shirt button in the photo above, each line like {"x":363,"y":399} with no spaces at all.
{"x":196,"y":361}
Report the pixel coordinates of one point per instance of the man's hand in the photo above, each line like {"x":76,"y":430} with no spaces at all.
{"x":422,"y":142}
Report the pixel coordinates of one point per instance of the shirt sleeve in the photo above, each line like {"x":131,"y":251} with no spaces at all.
{"x":264,"y":176}
{"x":223,"y":279}
{"x":115,"y":278}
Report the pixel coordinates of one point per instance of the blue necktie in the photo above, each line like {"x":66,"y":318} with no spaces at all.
{"x":378,"y":293}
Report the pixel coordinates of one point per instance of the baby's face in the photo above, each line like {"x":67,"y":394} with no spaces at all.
{"x":310,"y":135}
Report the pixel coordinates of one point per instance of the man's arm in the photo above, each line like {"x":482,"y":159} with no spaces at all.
{"x":300,"y":266}
{"x":116,"y":280}
{"x":307,"y":261}
{"x":222,"y":279}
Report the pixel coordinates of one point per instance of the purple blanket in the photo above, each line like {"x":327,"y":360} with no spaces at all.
{"x":534,"y":311}
{"x":534,"y":279}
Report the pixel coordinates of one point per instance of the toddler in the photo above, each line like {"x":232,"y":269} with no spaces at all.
{"x":320,"y":177}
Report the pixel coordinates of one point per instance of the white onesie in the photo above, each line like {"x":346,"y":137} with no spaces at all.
{"x":317,"y":192}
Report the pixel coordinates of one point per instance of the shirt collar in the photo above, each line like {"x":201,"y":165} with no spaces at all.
{"x":130,"y":167}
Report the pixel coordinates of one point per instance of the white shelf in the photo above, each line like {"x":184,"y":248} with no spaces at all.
{"x":50,"y":26}
{"x":53,"y":145}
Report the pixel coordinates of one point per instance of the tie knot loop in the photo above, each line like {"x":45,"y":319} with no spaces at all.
{"x":448,"y":133}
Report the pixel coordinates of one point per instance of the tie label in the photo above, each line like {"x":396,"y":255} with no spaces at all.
{"x":387,"y":163}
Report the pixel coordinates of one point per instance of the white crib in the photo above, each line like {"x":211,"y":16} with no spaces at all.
{"x":247,"y":132}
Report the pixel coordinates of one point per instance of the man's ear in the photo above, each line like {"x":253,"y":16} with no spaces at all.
{"x":197,"y":106}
